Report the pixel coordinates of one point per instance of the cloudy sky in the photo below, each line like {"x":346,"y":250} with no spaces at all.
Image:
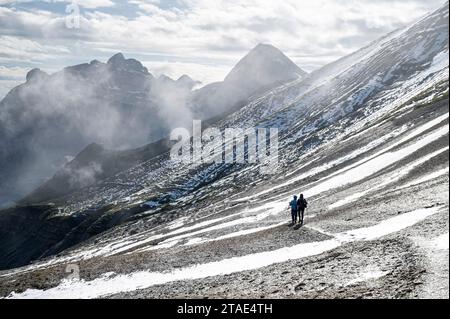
{"x":202,"y":38}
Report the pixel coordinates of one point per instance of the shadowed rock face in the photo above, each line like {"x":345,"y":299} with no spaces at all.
{"x":29,"y":233}
{"x":34,"y":232}
{"x":94,"y":163}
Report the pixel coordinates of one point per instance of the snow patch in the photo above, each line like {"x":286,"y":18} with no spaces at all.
{"x":367,"y":275}
{"x":143,"y":279}
{"x":425,"y":178}
{"x":388,"y":180}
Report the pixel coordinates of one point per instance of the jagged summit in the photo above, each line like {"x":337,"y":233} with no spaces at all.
{"x":118,"y":61}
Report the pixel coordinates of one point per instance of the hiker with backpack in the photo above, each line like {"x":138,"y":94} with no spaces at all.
{"x":302,"y":204}
{"x":294,"y":209}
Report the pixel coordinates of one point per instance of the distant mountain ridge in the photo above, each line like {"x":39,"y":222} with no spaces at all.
{"x":119,"y":104}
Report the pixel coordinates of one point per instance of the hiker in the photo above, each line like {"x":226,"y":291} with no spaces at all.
{"x":302,"y":204}
{"x":294,"y":209}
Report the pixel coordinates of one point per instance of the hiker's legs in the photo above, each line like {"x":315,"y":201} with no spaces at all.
{"x":294,"y":216}
{"x":301,"y":212}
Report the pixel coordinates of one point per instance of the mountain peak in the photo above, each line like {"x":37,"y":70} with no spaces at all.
{"x":116,"y":58}
{"x":185,"y":77}
{"x":95,"y":62}
{"x":264,"y":47}
{"x":187,"y":81}
{"x":35,"y":74}
{"x":118,"y":61}
{"x":89,"y":153}
{"x":164,"y":77}
{"x":262,"y":66}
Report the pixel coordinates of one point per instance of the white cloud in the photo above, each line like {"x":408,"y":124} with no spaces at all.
{"x":4,"y":2}
{"x":11,"y":77}
{"x":93,"y":4}
{"x":20,"y":49}
{"x":187,"y":36}
{"x":200,"y":72}
{"x":7,"y":85}
{"x":13,"y":72}
{"x":90,"y":4}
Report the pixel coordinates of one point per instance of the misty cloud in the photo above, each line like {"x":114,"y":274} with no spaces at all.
{"x":118,"y":104}
{"x":84,"y":176}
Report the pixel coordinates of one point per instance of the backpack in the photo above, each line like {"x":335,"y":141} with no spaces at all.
{"x":302,"y":203}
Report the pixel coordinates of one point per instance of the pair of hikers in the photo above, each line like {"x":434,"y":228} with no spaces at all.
{"x":298,"y":207}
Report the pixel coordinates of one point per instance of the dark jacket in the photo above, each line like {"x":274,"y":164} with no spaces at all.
{"x":302,"y":203}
